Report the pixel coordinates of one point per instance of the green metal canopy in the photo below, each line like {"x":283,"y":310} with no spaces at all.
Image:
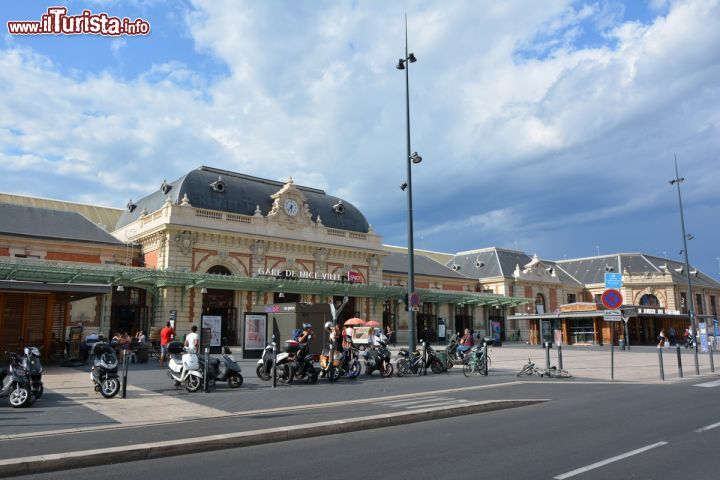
{"x":58,"y":273}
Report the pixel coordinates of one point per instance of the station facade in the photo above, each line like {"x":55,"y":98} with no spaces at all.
{"x":220,"y":245}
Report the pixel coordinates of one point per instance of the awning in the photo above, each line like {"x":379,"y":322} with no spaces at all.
{"x":74,"y":290}
{"x":45,"y":273}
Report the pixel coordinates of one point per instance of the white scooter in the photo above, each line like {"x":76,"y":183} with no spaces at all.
{"x":184,"y":367}
{"x":284,"y":365}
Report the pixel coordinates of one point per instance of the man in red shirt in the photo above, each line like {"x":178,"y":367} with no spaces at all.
{"x":166,"y":336}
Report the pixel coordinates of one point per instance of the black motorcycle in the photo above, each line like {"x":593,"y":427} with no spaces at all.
{"x":104,"y":372}
{"x":15,"y":384}
{"x":305,"y":364}
{"x":419,"y":361}
{"x":378,"y":358}
{"x":225,"y":370}
{"x":32,"y":365}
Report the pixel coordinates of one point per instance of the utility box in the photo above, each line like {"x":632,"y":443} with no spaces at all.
{"x":283,"y":318}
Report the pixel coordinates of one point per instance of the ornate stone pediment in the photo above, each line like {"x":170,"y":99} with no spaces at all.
{"x":290,"y":205}
{"x":536,"y":270}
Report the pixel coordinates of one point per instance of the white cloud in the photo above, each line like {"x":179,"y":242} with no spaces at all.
{"x":509,"y":109}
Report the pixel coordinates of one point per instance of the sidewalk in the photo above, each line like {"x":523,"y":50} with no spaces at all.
{"x":638,"y":364}
{"x":72,"y":418}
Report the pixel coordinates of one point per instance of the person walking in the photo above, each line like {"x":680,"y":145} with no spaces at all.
{"x":166,"y":336}
{"x":671,"y":334}
{"x":661,"y":338}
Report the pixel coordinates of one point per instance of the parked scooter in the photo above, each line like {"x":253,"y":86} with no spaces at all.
{"x":378,"y":358}
{"x":284,"y":370}
{"x":104,"y":372}
{"x":15,"y":384}
{"x":223,"y":370}
{"x":32,"y":365}
{"x":184,"y":367}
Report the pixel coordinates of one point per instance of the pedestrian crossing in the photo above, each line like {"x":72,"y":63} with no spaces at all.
{"x":422,"y":402}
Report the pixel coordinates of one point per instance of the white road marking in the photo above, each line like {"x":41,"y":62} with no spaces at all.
{"x":608,"y":461}
{"x":403,"y":402}
{"x":450,"y":402}
{"x":714,"y":383}
{"x":709,"y":427}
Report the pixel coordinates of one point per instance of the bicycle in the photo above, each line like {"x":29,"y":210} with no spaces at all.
{"x":552,"y":372}
{"x":528,"y":369}
{"x":477,"y":363}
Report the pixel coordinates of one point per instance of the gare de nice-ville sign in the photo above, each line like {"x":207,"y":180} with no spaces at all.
{"x":351,"y":277}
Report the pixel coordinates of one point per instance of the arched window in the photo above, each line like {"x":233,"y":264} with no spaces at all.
{"x":540,"y":303}
{"x":649,"y":300}
{"x":219,"y":270}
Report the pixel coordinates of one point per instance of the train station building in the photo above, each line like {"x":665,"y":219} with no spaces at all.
{"x":220,"y":245}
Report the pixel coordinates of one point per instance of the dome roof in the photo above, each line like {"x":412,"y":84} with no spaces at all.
{"x":225,"y":191}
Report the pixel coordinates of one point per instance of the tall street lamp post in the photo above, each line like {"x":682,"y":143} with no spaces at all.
{"x":691,"y":311}
{"x":404,"y":64}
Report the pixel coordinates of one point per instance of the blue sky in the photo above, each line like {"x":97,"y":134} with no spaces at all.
{"x":548,"y":127}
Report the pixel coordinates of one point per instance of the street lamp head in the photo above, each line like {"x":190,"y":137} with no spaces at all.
{"x":677,"y":180}
{"x":401,"y":64}
{"x":689,"y":236}
{"x":403,"y":186}
{"x":415,"y":158}
{"x":411,"y":58}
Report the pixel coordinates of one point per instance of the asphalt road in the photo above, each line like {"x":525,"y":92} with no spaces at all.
{"x":583,"y":432}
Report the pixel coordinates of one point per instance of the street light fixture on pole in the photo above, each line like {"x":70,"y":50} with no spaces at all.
{"x":404,"y":64}
{"x":691,"y":311}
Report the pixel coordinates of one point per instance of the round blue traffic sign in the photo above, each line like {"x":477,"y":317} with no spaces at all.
{"x":612,"y":298}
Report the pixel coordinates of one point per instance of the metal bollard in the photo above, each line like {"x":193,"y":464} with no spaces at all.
{"x":547,"y":355}
{"x":660,"y":360}
{"x":712,"y":360}
{"x":274,"y":362}
{"x":679,"y":362}
{"x":487,"y":359}
{"x":125,"y":372}
{"x":560,"y":364}
{"x":205,"y":372}
{"x":424,"y":358}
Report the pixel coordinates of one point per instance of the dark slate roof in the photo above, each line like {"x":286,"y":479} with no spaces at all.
{"x":397,"y":262}
{"x":592,"y":270}
{"x":494,"y":262}
{"x":498,"y":262}
{"x":28,"y":221}
{"x":241,"y":195}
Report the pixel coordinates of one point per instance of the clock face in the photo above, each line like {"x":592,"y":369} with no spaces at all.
{"x":291,"y":207}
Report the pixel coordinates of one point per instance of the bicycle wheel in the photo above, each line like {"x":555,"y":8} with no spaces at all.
{"x":436,"y":366}
{"x":527,"y":370}
{"x":468,"y":369}
{"x":402,"y":367}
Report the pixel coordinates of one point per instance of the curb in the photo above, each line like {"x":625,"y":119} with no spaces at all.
{"x":147,"y":451}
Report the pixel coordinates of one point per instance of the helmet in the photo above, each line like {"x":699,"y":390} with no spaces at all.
{"x":306,"y":325}
{"x":328,"y":324}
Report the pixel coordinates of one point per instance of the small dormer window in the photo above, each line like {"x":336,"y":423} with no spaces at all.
{"x":165,"y":187}
{"x":130,"y":206}
{"x":218,"y":185}
{"x":339,"y":207}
